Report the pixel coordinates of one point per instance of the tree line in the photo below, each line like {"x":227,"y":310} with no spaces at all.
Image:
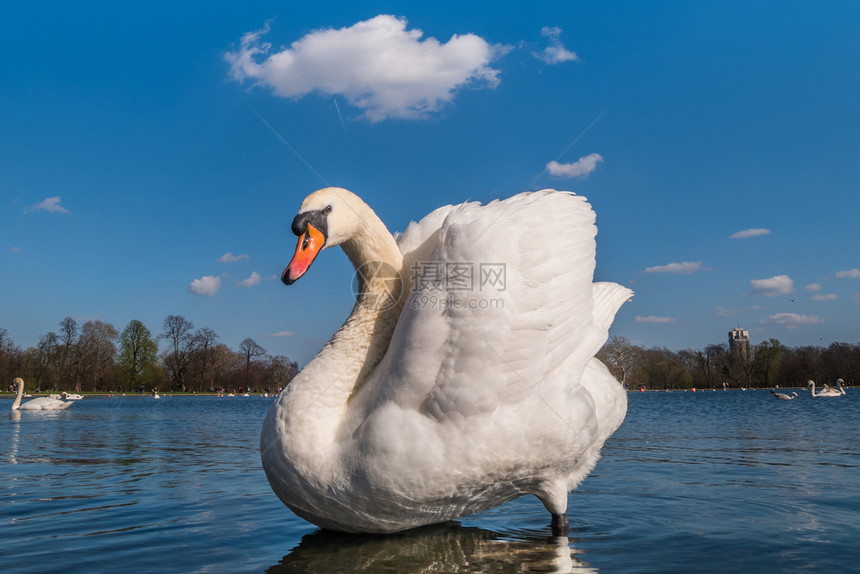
{"x":766,"y":365}
{"x":95,"y":357}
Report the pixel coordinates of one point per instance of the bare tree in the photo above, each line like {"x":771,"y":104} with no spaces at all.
{"x":250,"y":350}
{"x":177,"y":332}
{"x":280,"y":372}
{"x":226,"y":364}
{"x":9,"y":357}
{"x":621,"y":357}
{"x":70,"y":359}
{"x":709,"y":367}
{"x":662,"y":369}
{"x":46,"y":368}
{"x":202,"y":361}
{"x":836,"y":362}
{"x":97,"y":345}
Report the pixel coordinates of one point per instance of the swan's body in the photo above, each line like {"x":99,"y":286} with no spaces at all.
{"x":825,"y":392}
{"x":432,"y":402}
{"x":39,"y":404}
{"x":838,"y":391}
{"x":783,"y":396}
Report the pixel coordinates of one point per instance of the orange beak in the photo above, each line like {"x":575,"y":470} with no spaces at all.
{"x":309,"y":245}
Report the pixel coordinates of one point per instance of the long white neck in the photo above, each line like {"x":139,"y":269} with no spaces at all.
{"x":17,"y":401}
{"x":317,"y":399}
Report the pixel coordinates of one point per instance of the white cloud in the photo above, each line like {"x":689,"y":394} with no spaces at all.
{"x":773,"y":287}
{"x":279,"y":334}
{"x":849,"y":274}
{"x":653,"y":319}
{"x":14,"y":249}
{"x":813,"y":287}
{"x":555,"y":53}
{"x":206,"y":285}
{"x":377,"y":65}
{"x":581,"y":168}
{"x":50,"y":204}
{"x":254,"y":279}
{"x":822,"y":297}
{"x":790,"y":320}
{"x":746,"y":233}
{"x":685,"y":268}
{"x":230,"y":258}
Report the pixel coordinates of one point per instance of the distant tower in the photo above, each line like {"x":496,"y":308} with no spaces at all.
{"x":739,"y":342}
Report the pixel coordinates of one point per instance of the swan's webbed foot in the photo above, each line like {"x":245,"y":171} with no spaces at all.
{"x":559,"y":525}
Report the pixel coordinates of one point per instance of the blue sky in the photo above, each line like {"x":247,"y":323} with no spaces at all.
{"x":153,"y":155}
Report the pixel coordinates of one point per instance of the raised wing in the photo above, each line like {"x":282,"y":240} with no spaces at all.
{"x":502,"y":298}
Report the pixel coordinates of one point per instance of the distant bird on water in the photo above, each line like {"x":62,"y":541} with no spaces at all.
{"x":825,"y":392}
{"x":838,"y":388}
{"x":783,"y":396}
{"x":40,"y":404}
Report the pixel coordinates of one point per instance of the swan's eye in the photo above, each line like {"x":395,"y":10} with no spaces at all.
{"x":327,"y":209}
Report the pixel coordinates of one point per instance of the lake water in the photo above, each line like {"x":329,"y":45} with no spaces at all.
{"x":691,"y":482}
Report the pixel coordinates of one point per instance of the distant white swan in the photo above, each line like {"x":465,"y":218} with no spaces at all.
{"x":40,"y":404}
{"x":71,"y":397}
{"x":783,"y":396}
{"x":825,"y":392}
{"x":437,"y":400}
{"x":839,"y":389}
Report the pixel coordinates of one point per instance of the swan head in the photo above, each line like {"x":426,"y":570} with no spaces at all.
{"x":810,"y":383}
{"x":328,"y":217}
{"x":18,"y":381}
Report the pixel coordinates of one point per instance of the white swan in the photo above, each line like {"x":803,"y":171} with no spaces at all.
{"x":839,"y":383}
{"x":465,"y":375}
{"x":825,"y":392}
{"x":784,"y":396}
{"x":39,"y":404}
{"x":838,"y":390}
{"x":71,"y":397}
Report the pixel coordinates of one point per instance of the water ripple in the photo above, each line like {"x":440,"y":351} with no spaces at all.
{"x":691,"y":482}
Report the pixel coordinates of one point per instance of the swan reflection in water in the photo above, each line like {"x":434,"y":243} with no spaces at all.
{"x":447,"y":547}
